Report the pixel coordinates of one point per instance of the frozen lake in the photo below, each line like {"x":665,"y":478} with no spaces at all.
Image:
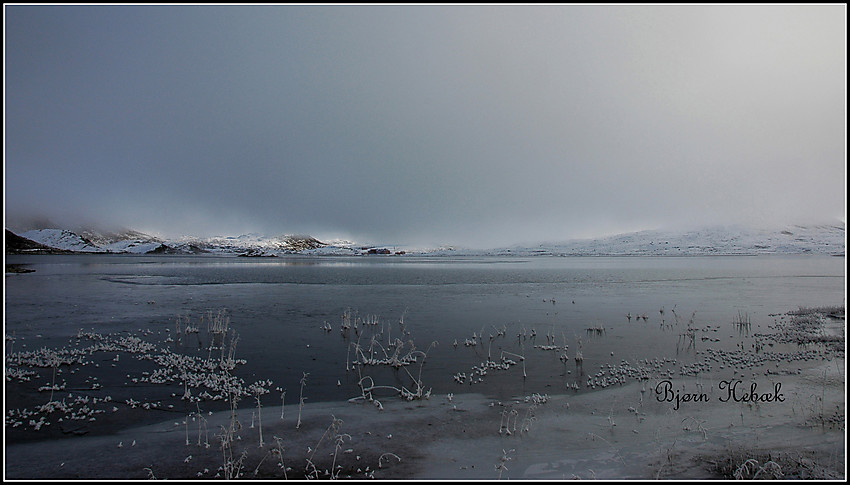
{"x":278,"y":306}
{"x":535,"y":313}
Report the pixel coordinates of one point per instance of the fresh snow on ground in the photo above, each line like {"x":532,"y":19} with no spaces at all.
{"x":135,"y":246}
{"x":62,"y":239}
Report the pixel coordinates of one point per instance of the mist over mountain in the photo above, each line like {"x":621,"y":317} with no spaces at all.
{"x":720,"y":240}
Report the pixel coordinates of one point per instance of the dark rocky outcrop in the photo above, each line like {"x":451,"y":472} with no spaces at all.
{"x":301,"y":243}
{"x":180,"y":249}
{"x":16,"y":244}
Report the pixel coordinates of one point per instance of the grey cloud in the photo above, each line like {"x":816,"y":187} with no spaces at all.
{"x":459,"y":124}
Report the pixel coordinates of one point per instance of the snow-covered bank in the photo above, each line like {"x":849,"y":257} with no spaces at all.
{"x":621,"y":433}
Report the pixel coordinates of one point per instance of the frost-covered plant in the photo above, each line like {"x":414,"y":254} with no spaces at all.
{"x":742,"y":321}
{"x":500,"y":467}
{"x":579,"y":357}
{"x":397,"y":354}
{"x":258,"y":389}
{"x":521,"y":359}
{"x":381,"y":458}
{"x":332,"y":434}
{"x":282,"y":403}
{"x":231,"y":467}
{"x":202,"y":425}
{"x":505,"y":423}
{"x":301,"y":399}
{"x":699,"y":426}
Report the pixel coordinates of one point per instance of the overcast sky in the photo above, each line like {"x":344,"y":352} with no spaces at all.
{"x":470,"y":125}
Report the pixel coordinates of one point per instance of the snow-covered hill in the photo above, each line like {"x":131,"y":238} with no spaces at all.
{"x":62,"y":239}
{"x":254,"y":244}
{"x":91,"y":241}
{"x":722,"y":240}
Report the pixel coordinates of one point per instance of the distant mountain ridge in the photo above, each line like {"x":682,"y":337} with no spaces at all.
{"x":133,"y":242}
{"x":94,"y":242}
{"x":257,"y":245}
{"x":718,"y":240}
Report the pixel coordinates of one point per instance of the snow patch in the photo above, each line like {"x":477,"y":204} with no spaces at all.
{"x":62,"y":239}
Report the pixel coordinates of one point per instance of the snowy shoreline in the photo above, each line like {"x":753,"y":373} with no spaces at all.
{"x":590,"y":435}
{"x":627,"y":429}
